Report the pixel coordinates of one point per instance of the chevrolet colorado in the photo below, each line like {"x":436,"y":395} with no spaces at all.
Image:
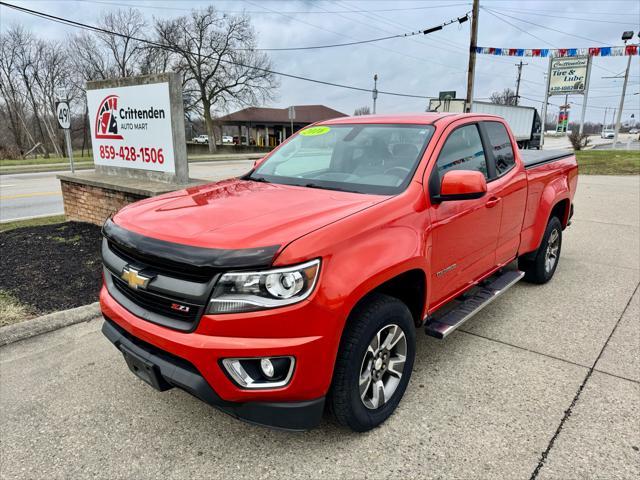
{"x":303,"y":282}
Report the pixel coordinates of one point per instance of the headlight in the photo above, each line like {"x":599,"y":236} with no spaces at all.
{"x":249,"y":291}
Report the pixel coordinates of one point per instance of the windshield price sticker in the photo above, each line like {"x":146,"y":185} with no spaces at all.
{"x":314,"y":131}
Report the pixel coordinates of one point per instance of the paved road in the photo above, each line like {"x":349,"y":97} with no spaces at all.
{"x":629,"y":144}
{"x":37,"y":194}
{"x":545,"y":380}
{"x":28,"y":195}
{"x":552,"y":142}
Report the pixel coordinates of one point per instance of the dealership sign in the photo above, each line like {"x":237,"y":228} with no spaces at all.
{"x":568,"y":75}
{"x":131,"y":127}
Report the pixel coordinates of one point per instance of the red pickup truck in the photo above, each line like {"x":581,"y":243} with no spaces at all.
{"x":301,"y":284}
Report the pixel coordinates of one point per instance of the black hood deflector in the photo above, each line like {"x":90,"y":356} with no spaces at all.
{"x":189,"y":255}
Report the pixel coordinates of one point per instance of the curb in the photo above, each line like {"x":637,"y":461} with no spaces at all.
{"x":48,"y":323}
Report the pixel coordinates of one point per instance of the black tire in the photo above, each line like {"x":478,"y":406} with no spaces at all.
{"x":370,"y":317}
{"x":536,"y":269}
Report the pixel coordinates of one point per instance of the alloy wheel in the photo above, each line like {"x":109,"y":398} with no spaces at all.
{"x":382,"y":366}
{"x":551,"y":254}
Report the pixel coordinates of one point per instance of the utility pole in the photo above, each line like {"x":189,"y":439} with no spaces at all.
{"x":375,"y":92}
{"x":626,"y":36}
{"x":472,"y":54}
{"x":546,"y":103}
{"x":604,"y":122}
{"x":585,"y":97}
{"x":519,"y":65}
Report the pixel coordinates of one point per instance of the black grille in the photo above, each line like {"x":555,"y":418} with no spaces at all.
{"x":158,"y":303}
{"x":163,"y":266}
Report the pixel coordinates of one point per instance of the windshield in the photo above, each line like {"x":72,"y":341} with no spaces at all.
{"x":377,"y":159}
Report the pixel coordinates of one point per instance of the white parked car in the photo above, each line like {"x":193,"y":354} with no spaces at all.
{"x":607,"y":133}
{"x":634,"y":131}
{"x":201,"y":139}
{"x":227,"y":139}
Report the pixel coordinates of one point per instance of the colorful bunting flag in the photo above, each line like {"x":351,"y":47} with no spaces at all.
{"x":561,"y":52}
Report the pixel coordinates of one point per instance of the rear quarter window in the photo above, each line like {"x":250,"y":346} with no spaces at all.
{"x":500,"y":146}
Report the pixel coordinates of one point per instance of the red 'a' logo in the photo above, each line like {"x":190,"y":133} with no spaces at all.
{"x":106,"y":120}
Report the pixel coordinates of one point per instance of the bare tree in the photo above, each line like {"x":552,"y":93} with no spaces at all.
{"x":362,"y":111}
{"x":13,"y":100}
{"x":156,"y":60}
{"x":89,"y":60}
{"x":52,"y":80}
{"x":506,"y":97}
{"x":217,"y":57}
{"x":28,"y":62}
{"x":125,"y":50}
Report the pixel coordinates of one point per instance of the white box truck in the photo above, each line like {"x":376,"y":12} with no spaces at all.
{"x":524,"y":121}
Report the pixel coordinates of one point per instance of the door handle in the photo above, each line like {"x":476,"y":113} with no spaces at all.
{"x":492,"y":202}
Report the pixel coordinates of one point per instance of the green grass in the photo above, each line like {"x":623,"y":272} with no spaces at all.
{"x":608,"y":162}
{"x":32,"y":222}
{"x":45,"y":161}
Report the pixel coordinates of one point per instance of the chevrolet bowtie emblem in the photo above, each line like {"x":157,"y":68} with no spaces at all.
{"x":134,"y":278}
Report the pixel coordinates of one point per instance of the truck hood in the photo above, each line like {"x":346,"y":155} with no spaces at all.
{"x":240,"y":214}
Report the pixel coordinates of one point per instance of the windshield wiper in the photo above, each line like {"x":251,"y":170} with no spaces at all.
{"x":259,"y":179}
{"x":315,"y":185}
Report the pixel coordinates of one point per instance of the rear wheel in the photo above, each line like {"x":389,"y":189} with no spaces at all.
{"x":374,"y":363}
{"x":542,"y":266}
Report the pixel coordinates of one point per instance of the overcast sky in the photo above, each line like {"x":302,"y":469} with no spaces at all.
{"x":421,"y":65}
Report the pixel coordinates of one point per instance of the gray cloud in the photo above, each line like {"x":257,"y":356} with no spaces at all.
{"x":418,"y":65}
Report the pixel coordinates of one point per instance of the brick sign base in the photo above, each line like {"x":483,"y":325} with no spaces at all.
{"x":94,"y":197}
{"x":84,"y":203}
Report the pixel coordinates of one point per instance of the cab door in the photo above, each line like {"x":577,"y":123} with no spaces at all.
{"x":509,"y":183}
{"x":464,"y":233}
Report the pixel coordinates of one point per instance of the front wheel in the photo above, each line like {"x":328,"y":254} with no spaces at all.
{"x":540,"y":269}
{"x":374,"y":363}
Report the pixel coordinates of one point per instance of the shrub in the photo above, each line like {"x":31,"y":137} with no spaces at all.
{"x":578,"y":140}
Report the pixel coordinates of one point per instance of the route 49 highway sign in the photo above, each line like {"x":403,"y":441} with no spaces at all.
{"x":63,"y":115}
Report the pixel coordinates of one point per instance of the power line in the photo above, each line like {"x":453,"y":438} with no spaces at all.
{"x":429,"y":62}
{"x":599,"y":13}
{"x":426,"y":31}
{"x":299,"y":12}
{"x":314,"y":47}
{"x":577,"y":104}
{"x":495,"y":14}
{"x":453,"y":45}
{"x":73,"y":23}
{"x":546,"y":27}
{"x":501,"y":9}
{"x":490,"y":12}
{"x":371,"y":16}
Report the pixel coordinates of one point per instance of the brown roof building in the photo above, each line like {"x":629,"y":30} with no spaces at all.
{"x":270,"y":126}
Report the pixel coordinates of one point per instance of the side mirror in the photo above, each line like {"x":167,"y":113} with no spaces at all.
{"x":462,"y":185}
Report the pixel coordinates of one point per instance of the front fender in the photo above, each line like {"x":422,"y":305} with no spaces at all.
{"x":363,"y":251}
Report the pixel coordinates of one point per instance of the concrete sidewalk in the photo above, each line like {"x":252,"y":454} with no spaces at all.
{"x":544,"y":383}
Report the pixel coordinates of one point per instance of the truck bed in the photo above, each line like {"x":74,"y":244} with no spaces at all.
{"x":533,"y":158}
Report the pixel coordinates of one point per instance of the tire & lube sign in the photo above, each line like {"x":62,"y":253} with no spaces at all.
{"x":568,"y":75}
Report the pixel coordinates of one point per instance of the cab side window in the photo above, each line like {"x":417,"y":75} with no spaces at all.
{"x":462,"y":151}
{"x":500,"y":146}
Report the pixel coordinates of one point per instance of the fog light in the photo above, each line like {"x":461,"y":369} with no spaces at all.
{"x":267,"y":367}
{"x":265,"y":372}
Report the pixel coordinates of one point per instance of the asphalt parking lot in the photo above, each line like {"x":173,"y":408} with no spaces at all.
{"x":544,"y":383}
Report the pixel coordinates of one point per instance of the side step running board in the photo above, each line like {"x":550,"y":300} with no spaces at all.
{"x":440,"y":327}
